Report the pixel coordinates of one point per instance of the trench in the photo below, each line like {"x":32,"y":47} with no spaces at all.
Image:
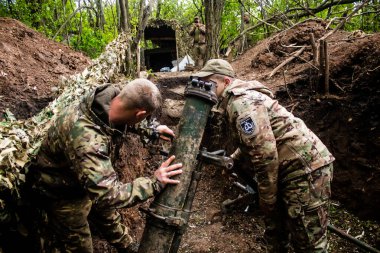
{"x":356,"y":179}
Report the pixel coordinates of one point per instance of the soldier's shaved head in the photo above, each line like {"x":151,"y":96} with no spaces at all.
{"x":142,"y":94}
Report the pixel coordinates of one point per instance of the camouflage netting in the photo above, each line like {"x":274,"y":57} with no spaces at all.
{"x":20,"y":140}
{"x":183,"y":38}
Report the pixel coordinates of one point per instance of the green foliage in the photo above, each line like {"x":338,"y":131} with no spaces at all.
{"x":91,"y":41}
{"x":79,"y":30}
{"x":82,"y":31}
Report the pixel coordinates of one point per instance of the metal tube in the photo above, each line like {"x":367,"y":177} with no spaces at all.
{"x":352,"y":239}
{"x":162,"y":235}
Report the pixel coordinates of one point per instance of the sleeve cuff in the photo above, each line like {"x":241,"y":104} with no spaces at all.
{"x":157,"y":185}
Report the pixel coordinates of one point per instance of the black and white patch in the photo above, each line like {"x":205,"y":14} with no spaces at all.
{"x":247,"y":125}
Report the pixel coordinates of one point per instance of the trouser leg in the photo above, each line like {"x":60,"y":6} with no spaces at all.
{"x":109,"y":224}
{"x":68,"y":227}
{"x":276,"y":234}
{"x":197,"y":55}
{"x":202,"y":53}
{"x":307,"y":201}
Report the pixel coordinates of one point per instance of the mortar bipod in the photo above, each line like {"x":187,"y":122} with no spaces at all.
{"x":216,"y":158}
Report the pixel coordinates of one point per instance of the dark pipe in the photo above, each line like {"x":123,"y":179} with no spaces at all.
{"x":352,"y":239}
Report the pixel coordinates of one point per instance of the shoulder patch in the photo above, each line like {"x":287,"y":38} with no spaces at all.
{"x":247,"y":125}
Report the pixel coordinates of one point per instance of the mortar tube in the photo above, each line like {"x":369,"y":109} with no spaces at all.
{"x":170,"y":209}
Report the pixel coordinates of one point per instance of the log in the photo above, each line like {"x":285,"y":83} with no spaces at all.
{"x":314,"y":49}
{"x":286,"y":61}
{"x":321,"y":59}
{"x":327,"y":68}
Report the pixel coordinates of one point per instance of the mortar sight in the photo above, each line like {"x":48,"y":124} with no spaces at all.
{"x":202,"y":89}
{"x":202,"y":84}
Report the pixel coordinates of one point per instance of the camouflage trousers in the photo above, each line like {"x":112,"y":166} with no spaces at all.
{"x":68,"y":228}
{"x":302,"y":214}
{"x":199,"y":54}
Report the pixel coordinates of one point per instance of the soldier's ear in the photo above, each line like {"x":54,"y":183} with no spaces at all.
{"x":141,"y":114}
{"x":227,"y":81}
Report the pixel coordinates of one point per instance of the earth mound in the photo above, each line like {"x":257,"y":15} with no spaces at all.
{"x":30,"y":67}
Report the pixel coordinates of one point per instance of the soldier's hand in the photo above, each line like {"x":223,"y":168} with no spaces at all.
{"x":165,"y":132}
{"x":166,"y":171}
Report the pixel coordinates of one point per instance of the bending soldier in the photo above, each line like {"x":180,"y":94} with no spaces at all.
{"x":198,"y":31}
{"x":73,"y":174}
{"x":292,"y":167}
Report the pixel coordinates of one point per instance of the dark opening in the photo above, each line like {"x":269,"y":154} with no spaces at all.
{"x":164,"y":47}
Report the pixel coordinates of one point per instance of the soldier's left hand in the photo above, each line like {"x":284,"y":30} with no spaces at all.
{"x":165,"y":132}
{"x":168,"y":170}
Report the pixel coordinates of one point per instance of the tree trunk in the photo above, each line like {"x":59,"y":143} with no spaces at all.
{"x":159,"y":4}
{"x":79,"y":37}
{"x":264,"y":17}
{"x":144,"y":14}
{"x":10,"y":4}
{"x":100,"y":14}
{"x":143,"y":21}
{"x":35,"y":8}
{"x":123,"y":16}
{"x":213,"y":12}
{"x":114,"y":15}
{"x":89,"y":14}
{"x":243,"y":38}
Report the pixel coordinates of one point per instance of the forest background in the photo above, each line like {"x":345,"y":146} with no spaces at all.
{"x":89,"y":25}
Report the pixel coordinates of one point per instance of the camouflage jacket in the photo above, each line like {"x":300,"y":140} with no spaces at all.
{"x":279,"y":145}
{"x":198,"y":33}
{"x":74,"y":158}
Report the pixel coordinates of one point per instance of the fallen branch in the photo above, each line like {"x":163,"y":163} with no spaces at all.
{"x":307,"y":62}
{"x":286,"y":86}
{"x":282,"y":16}
{"x":294,"y":107}
{"x":337,"y":85}
{"x":291,"y":46}
{"x":290,"y":105}
{"x":327,"y":67}
{"x":314,"y":48}
{"x":341,"y":24}
{"x":286,"y":61}
{"x":370,"y":70}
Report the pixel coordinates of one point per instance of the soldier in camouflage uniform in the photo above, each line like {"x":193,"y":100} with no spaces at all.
{"x":292,"y":167}
{"x":198,"y":32}
{"x":245,"y":37}
{"x":73,"y":175}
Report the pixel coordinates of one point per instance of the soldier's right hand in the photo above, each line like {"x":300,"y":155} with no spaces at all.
{"x":166,"y":171}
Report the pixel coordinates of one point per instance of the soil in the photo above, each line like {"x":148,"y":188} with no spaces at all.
{"x":347,"y":120}
{"x":30,"y":67}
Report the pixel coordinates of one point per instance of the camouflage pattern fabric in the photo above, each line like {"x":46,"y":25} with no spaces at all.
{"x":68,"y":228}
{"x":302,"y":213}
{"x":198,"y":33}
{"x":199,"y":43}
{"x":199,"y":51}
{"x":281,"y":151}
{"x":73,"y":173}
